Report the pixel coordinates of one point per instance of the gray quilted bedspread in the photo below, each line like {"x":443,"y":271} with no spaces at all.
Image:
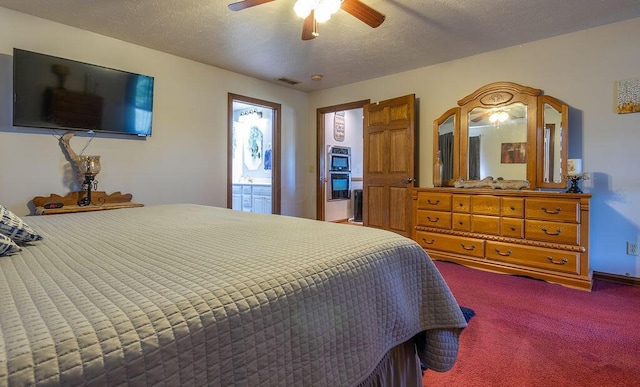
{"x":195,"y":295}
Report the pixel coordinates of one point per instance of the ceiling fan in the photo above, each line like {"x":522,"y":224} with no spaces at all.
{"x":313,"y":11}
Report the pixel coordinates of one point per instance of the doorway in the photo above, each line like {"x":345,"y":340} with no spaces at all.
{"x":388,"y":167}
{"x":253,"y":155}
{"x":339,"y":155}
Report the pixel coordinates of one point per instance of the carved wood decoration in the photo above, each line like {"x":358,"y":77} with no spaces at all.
{"x":100,"y":201}
{"x":99,"y":197}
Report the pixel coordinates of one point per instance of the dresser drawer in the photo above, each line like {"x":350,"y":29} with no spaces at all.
{"x":461,"y":203}
{"x":461,"y":222}
{"x":511,"y":227}
{"x":555,"y":232}
{"x":434,"y":201}
{"x":450,"y":243}
{"x":485,"y":205}
{"x":483,"y":224}
{"x":558,"y":210}
{"x":512,"y":207}
{"x":439,"y":219}
{"x":557,"y":260}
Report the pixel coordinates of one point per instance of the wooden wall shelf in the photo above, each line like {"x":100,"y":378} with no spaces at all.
{"x":100,"y":202}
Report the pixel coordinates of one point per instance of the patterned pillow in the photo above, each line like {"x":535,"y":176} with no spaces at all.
{"x":13,"y":227}
{"x":7,"y":246}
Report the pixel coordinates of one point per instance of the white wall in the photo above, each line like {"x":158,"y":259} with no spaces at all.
{"x":184,"y":160}
{"x":579,"y":69}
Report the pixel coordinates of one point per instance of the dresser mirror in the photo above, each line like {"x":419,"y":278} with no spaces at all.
{"x":553,"y":142}
{"x":504,"y":130}
{"x":445,"y":129}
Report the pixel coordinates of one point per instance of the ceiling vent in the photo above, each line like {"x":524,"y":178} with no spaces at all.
{"x":289,"y":81}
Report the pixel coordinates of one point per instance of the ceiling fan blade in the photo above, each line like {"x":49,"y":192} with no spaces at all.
{"x":309,"y":27}
{"x":363,"y":12}
{"x":240,"y":5}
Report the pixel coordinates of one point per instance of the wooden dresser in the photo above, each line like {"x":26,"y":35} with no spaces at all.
{"x":543,"y":235}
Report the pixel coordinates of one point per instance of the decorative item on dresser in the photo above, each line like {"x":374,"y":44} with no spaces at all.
{"x":543,"y":235}
{"x":504,"y":224}
{"x":56,"y":204}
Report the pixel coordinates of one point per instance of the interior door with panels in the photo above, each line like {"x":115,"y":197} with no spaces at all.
{"x":389,"y":164}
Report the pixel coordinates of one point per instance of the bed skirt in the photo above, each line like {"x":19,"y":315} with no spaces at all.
{"x":400,"y":367}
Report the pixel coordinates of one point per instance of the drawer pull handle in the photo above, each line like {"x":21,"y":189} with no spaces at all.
{"x":461,"y":223}
{"x":508,"y":253}
{"x":428,"y":242}
{"x":558,"y":231}
{"x":512,"y":208}
{"x":513,"y":229}
{"x":564,"y":260}
{"x":433,"y":203}
{"x":435,"y":220}
{"x":552,"y":212}
{"x":461,"y":204}
{"x":473,"y":247}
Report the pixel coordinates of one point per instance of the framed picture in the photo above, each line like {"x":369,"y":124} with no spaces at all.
{"x":513,"y":153}
{"x":338,"y":126}
{"x":628,"y":93}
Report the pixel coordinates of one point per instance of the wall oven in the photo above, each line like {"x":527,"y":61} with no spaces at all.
{"x":340,"y":185}
{"x":340,"y":158}
{"x":339,"y":173}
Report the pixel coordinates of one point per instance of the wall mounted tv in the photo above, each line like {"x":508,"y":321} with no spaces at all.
{"x":56,"y":93}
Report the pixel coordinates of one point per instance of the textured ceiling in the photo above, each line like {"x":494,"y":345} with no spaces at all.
{"x":264,"y":41}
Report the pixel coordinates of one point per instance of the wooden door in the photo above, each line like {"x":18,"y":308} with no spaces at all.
{"x":389,"y":146}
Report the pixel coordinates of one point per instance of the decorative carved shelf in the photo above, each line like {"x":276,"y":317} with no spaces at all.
{"x":100,"y":202}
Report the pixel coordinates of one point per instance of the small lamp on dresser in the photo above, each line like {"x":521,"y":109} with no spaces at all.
{"x":574,"y":175}
{"x":90,"y":167}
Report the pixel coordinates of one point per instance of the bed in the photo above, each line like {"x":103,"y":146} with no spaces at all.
{"x":187,"y":294}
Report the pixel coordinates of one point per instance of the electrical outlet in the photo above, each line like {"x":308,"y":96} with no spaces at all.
{"x":632,"y":248}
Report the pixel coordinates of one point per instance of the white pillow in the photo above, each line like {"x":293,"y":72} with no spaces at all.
{"x":7,"y":246}
{"x":12,"y":226}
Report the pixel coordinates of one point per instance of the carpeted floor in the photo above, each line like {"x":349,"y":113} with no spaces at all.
{"x":531,"y":333}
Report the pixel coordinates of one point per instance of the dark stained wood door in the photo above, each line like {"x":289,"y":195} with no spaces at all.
{"x":389,"y":164}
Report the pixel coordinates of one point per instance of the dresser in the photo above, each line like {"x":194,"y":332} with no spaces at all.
{"x":542,"y":235}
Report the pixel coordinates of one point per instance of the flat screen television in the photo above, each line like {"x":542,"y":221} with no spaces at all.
{"x":56,"y":93}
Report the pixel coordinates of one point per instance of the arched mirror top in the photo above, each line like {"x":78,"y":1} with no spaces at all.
{"x":507,"y":131}
{"x":499,"y":93}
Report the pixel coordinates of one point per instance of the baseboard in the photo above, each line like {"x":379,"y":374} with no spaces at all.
{"x":621,"y":279}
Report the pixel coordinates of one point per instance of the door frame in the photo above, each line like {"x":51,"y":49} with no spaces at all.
{"x":275,"y":147}
{"x":320,"y":150}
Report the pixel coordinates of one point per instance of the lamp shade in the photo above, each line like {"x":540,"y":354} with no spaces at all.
{"x":89,"y":165}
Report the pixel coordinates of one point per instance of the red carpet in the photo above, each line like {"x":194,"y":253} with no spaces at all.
{"x":531,"y":333}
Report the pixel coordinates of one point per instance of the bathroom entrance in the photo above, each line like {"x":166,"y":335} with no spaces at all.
{"x":253,"y":161}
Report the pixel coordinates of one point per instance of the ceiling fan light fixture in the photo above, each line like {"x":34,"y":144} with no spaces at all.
{"x":499,"y":116}
{"x":323,"y":9}
{"x":303,"y":8}
{"x":322,"y":15}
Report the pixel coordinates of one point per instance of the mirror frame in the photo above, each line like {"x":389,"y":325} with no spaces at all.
{"x":500,"y":94}
{"x":563,"y":109}
{"x":455,"y":112}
